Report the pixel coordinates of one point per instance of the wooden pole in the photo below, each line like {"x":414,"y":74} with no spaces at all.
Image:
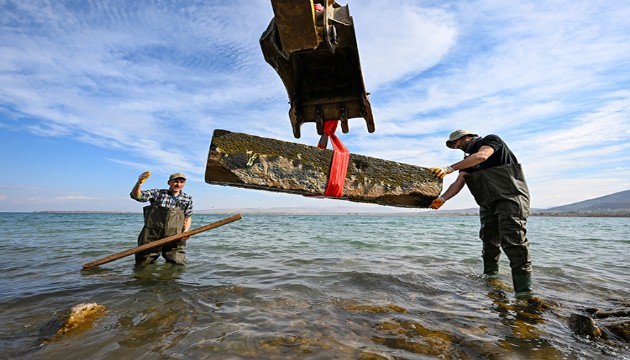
{"x":160,"y":242}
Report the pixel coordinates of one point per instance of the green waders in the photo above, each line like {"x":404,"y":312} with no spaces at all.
{"x":503,"y":197}
{"x":161,"y":222}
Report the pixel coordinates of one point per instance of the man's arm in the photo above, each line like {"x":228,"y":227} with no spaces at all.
{"x":188,"y":212}
{"x":455,"y":187}
{"x":474,"y":159}
{"x":452,"y":190}
{"x":187,"y":223}
{"x":136,"y":191}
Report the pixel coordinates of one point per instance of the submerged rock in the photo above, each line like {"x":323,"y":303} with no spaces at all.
{"x":612,"y":324}
{"x":79,"y":316}
{"x":584,"y":325}
{"x":621,"y":329}
{"x":378,"y":308}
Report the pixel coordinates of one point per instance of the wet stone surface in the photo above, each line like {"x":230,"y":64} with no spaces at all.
{"x":242,"y":160}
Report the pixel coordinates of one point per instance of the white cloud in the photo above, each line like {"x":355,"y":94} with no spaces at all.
{"x":397,"y":42}
{"x":153,"y":80}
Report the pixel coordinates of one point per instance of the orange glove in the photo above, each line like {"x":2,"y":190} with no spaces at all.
{"x":437,"y":203}
{"x":143,"y":177}
{"x":441,"y":172}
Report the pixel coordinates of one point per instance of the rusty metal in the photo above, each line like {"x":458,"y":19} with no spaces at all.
{"x":324,"y":79}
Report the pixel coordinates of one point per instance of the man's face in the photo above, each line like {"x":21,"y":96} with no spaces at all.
{"x":176,"y":185}
{"x":459,"y":143}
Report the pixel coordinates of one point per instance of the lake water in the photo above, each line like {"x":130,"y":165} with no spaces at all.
{"x":308,"y":287}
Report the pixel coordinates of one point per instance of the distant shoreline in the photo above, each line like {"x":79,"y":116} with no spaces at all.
{"x":342,"y":212}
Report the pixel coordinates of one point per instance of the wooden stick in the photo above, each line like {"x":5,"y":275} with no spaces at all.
{"x":160,"y":242}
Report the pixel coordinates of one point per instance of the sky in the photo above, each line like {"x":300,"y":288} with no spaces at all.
{"x":93,"y":93}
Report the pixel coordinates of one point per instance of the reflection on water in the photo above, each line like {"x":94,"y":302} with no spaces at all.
{"x":158,"y":272}
{"x":274,"y":287}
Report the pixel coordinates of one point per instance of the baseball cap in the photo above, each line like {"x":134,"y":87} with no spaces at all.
{"x":177,"y":176}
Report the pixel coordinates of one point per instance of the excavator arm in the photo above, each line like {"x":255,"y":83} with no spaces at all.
{"x":313,"y":48}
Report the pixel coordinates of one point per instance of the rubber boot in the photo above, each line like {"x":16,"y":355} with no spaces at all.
{"x":490,"y":269}
{"x":522,"y":285}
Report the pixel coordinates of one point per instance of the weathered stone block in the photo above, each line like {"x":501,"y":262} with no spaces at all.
{"x":241,"y":160}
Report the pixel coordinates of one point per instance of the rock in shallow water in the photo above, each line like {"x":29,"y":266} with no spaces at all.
{"x":584,"y":325}
{"x":79,"y":316}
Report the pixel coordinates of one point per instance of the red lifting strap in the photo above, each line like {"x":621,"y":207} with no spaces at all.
{"x":340,"y":160}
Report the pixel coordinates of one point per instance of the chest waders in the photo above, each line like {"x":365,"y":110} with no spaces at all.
{"x":503,"y":198}
{"x":160,"y":222}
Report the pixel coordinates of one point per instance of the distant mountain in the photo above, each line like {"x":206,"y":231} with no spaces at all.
{"x":616,"y":201}
{"x":617,"y":204}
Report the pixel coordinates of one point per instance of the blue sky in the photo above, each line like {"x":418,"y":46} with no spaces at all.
{"x":95,"y":92}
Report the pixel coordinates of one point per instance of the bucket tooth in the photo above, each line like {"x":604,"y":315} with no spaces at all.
{"x":319,"y":121}
{"x":343,"y":118}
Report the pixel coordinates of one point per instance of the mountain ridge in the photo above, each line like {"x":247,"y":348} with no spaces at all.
{"x":615,"y":201}
{"x":615,"y":204}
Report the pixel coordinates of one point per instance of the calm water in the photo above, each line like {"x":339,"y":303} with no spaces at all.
{"x":307,"y":287}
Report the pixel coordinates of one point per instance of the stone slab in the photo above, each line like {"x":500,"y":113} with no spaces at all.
{"x":247,"y":161}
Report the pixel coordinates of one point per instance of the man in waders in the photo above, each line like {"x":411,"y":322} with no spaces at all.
{"x":496,"y":181}
{"x":170,"y":213}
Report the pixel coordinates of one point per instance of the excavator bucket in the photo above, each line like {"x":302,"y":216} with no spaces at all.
{"x":312,"y":46}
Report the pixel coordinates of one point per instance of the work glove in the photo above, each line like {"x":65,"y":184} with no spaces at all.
{"x":143,"y":177}
{"x":437,"y":203}
{"x":442,"y":172}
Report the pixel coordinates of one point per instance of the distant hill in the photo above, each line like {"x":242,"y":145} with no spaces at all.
{"x":616,"y":201}
{"x":617,"y":204}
